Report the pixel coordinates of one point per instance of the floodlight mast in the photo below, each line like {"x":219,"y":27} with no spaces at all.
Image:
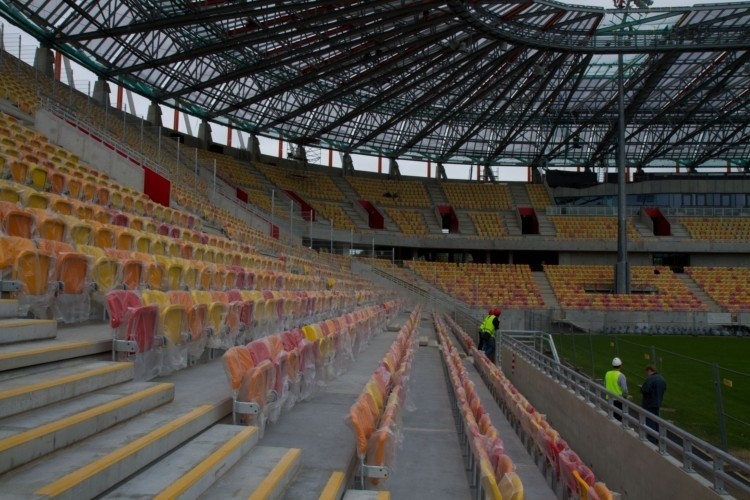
{"x":622,"y":268}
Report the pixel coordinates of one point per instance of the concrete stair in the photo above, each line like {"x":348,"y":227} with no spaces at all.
{"x":21,"y":330}
{"x":550,"y":300}
{"x":546,"y":227}
{"x":193,"y":468}
{"x":93,"y":466}
{"x":8,"y":308}
{"x":29,"y":388}
{"x":518,"y":194}
{"x":263,"y":474}
{"x":465,"y":224}
{"x":435,"y":192}
{"x":511,"y":222}
{"x":696,"y":290}
{"x":30,"y":435}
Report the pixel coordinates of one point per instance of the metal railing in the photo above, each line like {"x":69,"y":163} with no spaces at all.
{"x":727,"y":473}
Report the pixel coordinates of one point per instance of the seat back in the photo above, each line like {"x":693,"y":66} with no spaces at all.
{"x":33,"y":268}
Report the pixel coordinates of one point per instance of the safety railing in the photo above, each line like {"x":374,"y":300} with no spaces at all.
{"x":727,"y":473}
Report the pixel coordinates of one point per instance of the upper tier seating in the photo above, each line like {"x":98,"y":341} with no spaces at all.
{"x":410,"y":222}
{"x":335,"y":213}
{"x":489,"y":224}
{"x":539,"y":196}
{"x":717,"y":228}
{"x":306,"y":183}
{"x":483,"y":285}
{"x":391,"y":192}
{"x":728,"y":286}
{"x":600,"y":227}
{"x":591,"y":288}
{"x":475,"y":196}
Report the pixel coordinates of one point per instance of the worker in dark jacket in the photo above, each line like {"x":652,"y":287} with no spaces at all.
{"x":652,"y":391}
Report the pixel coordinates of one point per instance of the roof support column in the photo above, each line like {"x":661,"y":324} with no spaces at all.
{"x":204,"y":134}
{"x":153,"y":115}
{"x":101,"y":92}
{"x":622,"y":268}
{"x":43,"y":59}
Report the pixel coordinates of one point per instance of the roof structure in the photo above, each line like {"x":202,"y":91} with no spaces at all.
{"x":507,"y":82}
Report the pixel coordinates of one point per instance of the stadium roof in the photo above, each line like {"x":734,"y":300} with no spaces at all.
{"x":459,"y":81}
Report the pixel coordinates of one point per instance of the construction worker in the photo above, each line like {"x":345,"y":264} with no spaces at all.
{"x":487,"y":330}
{"x":616,"y":383}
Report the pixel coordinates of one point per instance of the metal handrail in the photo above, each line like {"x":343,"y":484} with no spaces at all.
{"x":695,"y":454}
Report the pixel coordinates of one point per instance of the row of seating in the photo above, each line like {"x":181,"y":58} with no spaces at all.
{"x":391,"y":193}
{"x":496,"y":470}
{"x":410,"y":222}
{"x":728,"y":286}
{"x":489,"y":224}
{"x":274,"y":372}
{"x":375,"y":416}
{"x":567,"y":472}
{"x":474,"y":196}
{"x":539,"y":196}
{"x":599,"y":227}
{"x":483,"y":285}
{"x":587,"y":287}
{"x":717,"y":228}
{"x":310,"y":183}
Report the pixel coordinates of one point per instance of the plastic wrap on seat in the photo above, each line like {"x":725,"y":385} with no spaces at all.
{"x":256,"y":387}
{"x":511,"y":487}
{"x":259,"y":351}
{"x":236,"y":362}
{"x":34,"y":270}
{"x":360,"y":418}
{"x":130,"y":320}
{"x":307,"y":368}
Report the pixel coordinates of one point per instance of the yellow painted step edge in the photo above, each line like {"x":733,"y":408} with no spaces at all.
{"x":334,"y":487}
{"x":15,"y":323}
{"x":78,"y":476}
{"x":384,"y":495}
{"x":272,"y":480}
{"x":9,"y":393}
{"x":41,"y":350}
{"x":180,"y":486}
{"x":42,"y":430}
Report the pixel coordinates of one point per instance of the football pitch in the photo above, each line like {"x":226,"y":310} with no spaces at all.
{"x":703,"y":374}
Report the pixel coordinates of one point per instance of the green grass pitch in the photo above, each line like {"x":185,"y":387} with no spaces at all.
{"x":687,"y":364}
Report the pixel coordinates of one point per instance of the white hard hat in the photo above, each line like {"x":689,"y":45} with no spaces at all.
{"x":616,"y":362}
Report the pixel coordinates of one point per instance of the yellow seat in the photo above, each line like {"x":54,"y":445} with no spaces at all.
{"x":173,"y":317}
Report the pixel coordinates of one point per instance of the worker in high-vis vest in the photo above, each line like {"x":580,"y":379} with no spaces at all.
{"x":487,"y":330}
{"x":616,"y":383}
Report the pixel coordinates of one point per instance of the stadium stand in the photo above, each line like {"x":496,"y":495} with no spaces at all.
{"x":717,"y":228}
{"x":410,"y":222}
{"x":483,"y":285}
{"x":375,"y":416}
{"x":729,"y":286}
{"x":489,"y":224}
{"x":589,"y":227}
{"x":391,"y":193}
{"x":589,"y":288}
{"x":566,"y":473}
{"x":539,"y":196}
{"x":495,"y":469}
{"x":488,"y":196}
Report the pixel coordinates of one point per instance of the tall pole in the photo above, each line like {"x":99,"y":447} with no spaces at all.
{"x":622,"y":274}
{"x":214,"y":197}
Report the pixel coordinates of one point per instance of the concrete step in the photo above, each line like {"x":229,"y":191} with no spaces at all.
{"x":366,"y":495}
{"x":8,"y":308}
{"x":263,"y":473}
{"x":192,"y":468}
{"x":46,"y":351}
{"x":14,"y":330}
{"x":95,"y":465}
{"x":335,"y":487}
{"x":29,"y":388}
{"x":30,"y":435}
